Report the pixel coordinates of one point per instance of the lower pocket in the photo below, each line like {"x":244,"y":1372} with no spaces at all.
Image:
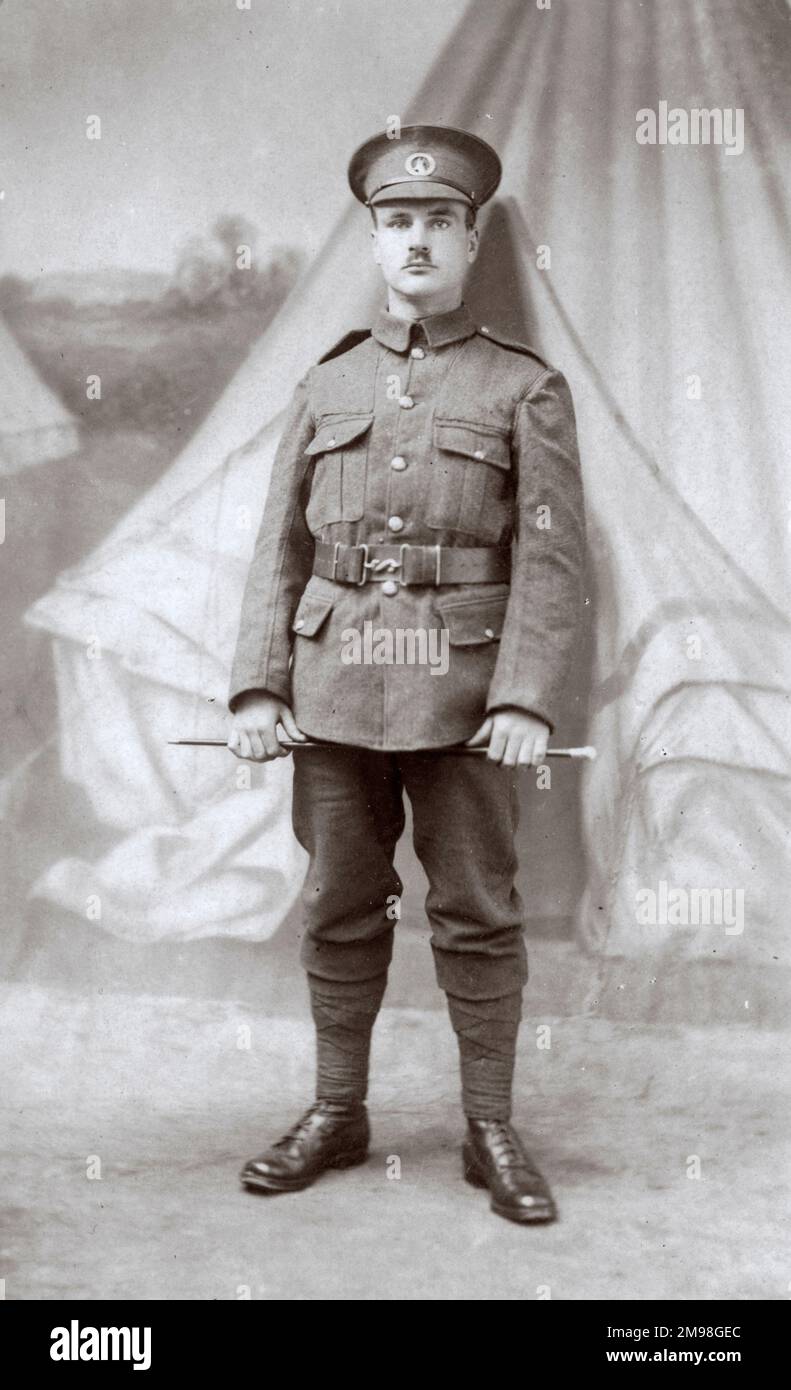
{"x":475,"y":621}
{"x":312,"y":612}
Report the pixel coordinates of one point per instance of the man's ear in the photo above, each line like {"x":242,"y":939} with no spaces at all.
{"x":375,"y":245}
{"x":473,"y":243}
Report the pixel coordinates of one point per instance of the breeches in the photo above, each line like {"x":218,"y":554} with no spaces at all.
{"x":348,"y":813}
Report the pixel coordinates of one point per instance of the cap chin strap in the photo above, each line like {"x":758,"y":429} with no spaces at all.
{"x":448,"y":182}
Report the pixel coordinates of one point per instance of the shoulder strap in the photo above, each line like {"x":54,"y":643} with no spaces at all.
{"x":351,"y":340}
{"x":512,"y":345}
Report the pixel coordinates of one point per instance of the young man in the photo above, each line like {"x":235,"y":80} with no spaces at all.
{"x":425,"y":498}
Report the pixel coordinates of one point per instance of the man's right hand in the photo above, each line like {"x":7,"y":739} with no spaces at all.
{"x":255,"y":721}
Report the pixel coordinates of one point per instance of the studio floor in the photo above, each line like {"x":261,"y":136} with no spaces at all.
{"x":128,"y":1116}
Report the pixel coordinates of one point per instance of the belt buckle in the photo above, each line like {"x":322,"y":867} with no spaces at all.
{"x":379,"y":565}
{"x":402,"y":582}
{"x":363,"y":575}
{"x":334,"y":570}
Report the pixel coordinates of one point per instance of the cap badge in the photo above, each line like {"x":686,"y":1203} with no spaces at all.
{"x":420,"y":164}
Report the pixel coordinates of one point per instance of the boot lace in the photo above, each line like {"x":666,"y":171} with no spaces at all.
{"x":505,"y":1145}
{"x":302,"y":1126}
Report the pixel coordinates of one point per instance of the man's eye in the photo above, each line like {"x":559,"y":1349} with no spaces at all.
{"x":440,"y":222}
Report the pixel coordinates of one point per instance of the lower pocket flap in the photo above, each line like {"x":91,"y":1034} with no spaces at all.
{"x":476,"y":620}
{"x":311,"y":614}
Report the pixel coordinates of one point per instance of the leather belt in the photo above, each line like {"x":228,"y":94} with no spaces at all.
{"x":412,"y":564}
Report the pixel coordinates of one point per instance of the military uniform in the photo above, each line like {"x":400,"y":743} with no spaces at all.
{"x":428,"y":483}
{"x":426,"y":434}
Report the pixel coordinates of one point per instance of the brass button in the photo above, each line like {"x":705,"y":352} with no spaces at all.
{"x":395,"y":523}
{"x":331,"y":443}
{"x":417,"y":352}
{"x":479,"y":454}
{"x":398,"y":463}
{"x":489,"y":632}
{"x":406,"y":402}
{"x":390,"y":587}
{"x":299,"y":623}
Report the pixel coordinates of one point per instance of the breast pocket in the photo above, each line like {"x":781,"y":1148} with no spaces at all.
{"x":340,"y":448}
{"x":470,"y":485}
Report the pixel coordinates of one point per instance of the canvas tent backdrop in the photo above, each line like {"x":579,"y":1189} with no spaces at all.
{"x":661,"y":305}
{"x":34,"y":425}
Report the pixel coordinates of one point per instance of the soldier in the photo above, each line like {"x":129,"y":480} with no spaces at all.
{"x":425,"y":498}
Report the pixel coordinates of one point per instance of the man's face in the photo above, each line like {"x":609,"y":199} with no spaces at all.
{"x":424,"y":247}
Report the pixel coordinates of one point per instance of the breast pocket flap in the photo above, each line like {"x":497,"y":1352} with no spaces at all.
{"x":337,"y":434}
{"x":473,"y":621}
{"x":310,"y":614}
{"x":473,"y":441}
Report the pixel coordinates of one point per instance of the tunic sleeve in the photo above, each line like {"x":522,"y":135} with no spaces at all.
{"x":281,"y":565}
{"x":545,"y":602}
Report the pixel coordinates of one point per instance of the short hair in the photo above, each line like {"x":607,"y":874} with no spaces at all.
{"x":470,"y":214}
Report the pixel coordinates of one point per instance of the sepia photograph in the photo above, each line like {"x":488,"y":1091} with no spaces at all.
{"x":395,"y":547}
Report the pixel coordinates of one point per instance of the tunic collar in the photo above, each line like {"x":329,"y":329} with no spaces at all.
{"x":439,"y":329}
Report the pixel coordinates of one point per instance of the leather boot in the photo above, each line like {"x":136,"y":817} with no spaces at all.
{"x":331,"y":1134}
{"x":495,"y":1158}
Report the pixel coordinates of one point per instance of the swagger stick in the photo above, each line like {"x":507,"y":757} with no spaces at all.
{"x":589,"y":752}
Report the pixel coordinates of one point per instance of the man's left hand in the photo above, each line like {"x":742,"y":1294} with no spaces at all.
{"x":515,"y":738}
